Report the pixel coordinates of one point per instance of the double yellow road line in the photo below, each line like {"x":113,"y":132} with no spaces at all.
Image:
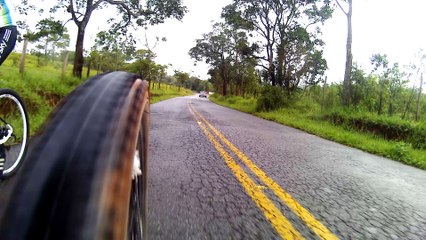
{"x":279,"y":222}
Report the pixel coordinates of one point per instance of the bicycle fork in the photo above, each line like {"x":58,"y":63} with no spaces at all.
{"x":2,"y":160}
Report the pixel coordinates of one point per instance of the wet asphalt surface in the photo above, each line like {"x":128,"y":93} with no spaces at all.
{"x":193,"y":194}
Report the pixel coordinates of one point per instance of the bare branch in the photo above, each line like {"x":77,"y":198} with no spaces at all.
{"x":73,"y":13}
{"x":340,"y":6}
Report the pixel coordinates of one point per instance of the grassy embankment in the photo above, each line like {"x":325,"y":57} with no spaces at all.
{"x":42,"y":87}
{"x":167,"y":92}
{"x":309,"y":118}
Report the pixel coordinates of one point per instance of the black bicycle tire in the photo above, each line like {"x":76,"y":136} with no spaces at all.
{"x":18,"y":162}
{"x":76,"y":184}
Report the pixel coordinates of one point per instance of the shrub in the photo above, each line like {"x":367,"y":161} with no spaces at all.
{"x":418,"y":137}
{"x":387,"y":128}
{"x":231,"y":100}
{"x":271,"y":98}
{"x":400,"y":152}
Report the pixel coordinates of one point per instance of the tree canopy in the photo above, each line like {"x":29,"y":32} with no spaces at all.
{"x":289,"y":33}
{"x":228,"y":52}
{"x":130,"y":12}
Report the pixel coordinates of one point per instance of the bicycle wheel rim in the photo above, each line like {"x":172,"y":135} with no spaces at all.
{"x":22,"y":145}
{"x":138,"y":200}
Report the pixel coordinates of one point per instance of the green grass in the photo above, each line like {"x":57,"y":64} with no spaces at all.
{"x":167,"y":92}
{"x":41,"y":88}
{"x":310,"y":120}
{"x":247,"y":105}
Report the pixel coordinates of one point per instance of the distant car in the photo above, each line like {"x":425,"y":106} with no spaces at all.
{"x":202,"y":94}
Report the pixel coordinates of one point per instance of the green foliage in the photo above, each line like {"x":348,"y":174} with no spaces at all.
{"x":129,"y":13}
{"x":197,"y":85}
{"x":40,"y":87}
{"x":401,"y":152}
{"x":51,"y":37}
{"x":271,"y":98}
{"x":145,"y":68}
{"x":112,"y":49}
{"x":418,"y":137}
{"x":387,"y":128}
{"x":227,"y":51}
{"x":167,"y":92}
{"x":48,"y":27}
{"x":247,"y":104}
{"x":302,"y":111}
{"x":288,"y":30}
{"x":182,"y":78}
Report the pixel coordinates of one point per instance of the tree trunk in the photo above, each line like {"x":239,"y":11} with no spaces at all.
{"x":64,"y":66}
{"x":280,"y":65}
{"x":348,"y":66}
{"x":79,"y":59}
{"x":23,"y":56}
{"x":323,"y":93}
{"x":271,"y":71}
{"x":89,"y":65}
{"x":271,"y":67}
{"x":379,"y":112}
{"x":53,"y":52}
{"x":38,"y":60}
{"x":223,"y":75}
{"x":232,"y":88}
{"x":407,"y":106}
{"x":418,"y":98}
{"x":390,"y":108}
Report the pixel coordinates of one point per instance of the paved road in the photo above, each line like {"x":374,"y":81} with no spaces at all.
{"x":216,"y":173}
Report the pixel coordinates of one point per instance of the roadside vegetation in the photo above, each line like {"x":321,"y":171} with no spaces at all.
{"x":42,"y":86}
{"x":167,"y":92}
{"x":280,"y":76}
{"x":47,"y":70}
{"x":265,"y":58}
{"x":391,"y":137}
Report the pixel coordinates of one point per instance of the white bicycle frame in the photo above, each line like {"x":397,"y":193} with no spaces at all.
{"x":9,"y":134}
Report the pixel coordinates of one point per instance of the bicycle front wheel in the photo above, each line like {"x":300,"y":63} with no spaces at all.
{"x":77,"y":182}
{"x":14,"y":132}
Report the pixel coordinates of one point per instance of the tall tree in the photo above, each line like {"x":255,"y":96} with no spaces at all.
{"x":215,"y":48}
{"x":162,"y":74}
{"x":421,"y":55}
{"x":299,"y":61}
{"x":145,"y":67}
{"x":348,"y":65}
{"x":47,"y":30}
{"x":53,"y":34}
{"x":228,"y":52}
{"x":381,"y":67}
{"x":115,"y":49}
{"x":130,"y":11}
{"x":419,"y":97}
{"x":397,"y":83}
{"x":278,"y":22}
{"x":182,"y":78}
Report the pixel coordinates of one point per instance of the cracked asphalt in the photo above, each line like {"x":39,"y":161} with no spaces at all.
{"x":193,"y":193}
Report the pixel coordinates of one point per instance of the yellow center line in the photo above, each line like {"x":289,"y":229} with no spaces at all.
{"x":297,"y":208}
{"x":280,"y":223}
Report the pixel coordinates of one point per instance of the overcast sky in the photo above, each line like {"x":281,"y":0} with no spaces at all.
{"x":392,"y":27}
